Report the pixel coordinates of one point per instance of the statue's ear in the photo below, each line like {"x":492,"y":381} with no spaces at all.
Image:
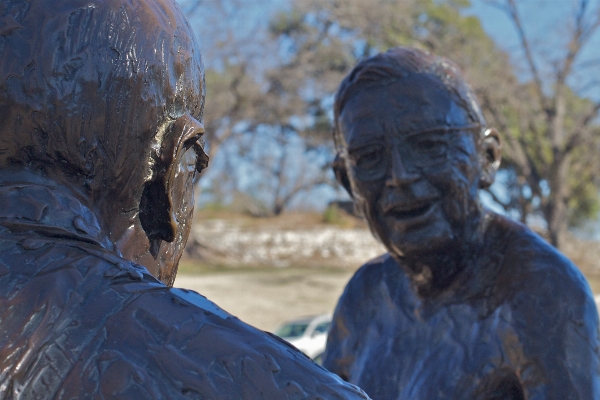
{"x":490,"y":157}
{"x":156,"y":205}
{"x":341,"y":174}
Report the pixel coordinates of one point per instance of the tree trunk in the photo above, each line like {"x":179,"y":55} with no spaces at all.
{"x":278,"y":209}
{"x":556,"y":211}
{"x":557,"y":223}
{"x":557,"y":218}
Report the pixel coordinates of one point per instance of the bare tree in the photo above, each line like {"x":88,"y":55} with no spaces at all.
{"x":554,"y":151}
{"x":232,"y":59}
{"x":249,"y":97}
{"x":285,"y":168}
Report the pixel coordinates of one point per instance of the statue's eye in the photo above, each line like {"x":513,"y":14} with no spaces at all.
{"x":427,"y":150}
{"x":430,"y":145}
{"x":369,"y":157}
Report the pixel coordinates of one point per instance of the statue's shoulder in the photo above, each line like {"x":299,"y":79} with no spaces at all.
{"x":108,"y":328}
{"x":366,"y":276}
{"x":551,"y":308}
{"x":376,"y":270}
{"x":534,"y":269}
{"x":373,"y":282}
{"x":201,"y":349}
{"x":181,"y":343}
{"x":529,"y":256}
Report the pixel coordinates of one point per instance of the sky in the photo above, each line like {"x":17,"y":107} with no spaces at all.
{"x":543,"y":19}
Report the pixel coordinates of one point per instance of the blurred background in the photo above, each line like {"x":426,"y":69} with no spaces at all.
{"x":274,"y":237}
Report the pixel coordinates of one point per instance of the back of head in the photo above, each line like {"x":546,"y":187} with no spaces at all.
{"x":88,"y":88}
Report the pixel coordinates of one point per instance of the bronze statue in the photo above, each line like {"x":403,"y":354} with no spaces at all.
{"x":101,"y":106}
{"x":467,"y":304}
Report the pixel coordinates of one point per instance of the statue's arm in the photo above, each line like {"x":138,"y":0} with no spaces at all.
{"x":344,"y":332}
{"x":335,"y":353}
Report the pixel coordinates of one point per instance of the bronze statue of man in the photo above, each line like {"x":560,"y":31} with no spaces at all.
{"x":101,"y":106}
{"x":466,"y":304}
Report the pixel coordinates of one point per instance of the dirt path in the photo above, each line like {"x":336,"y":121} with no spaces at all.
{"x":266,"y":298}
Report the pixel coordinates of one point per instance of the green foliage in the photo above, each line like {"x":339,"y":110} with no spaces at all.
{"x":583,"y":204}
{"x":332,"y":215}
{"x":287,"y":23}
{"x":214,"y":206}
{"x":335,"y":216}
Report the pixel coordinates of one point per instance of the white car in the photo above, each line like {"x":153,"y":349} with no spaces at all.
{"x":308,"y":335}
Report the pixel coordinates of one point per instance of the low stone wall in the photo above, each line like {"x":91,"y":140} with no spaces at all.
{"x":287,"y":242}
{"x":230,"y":242}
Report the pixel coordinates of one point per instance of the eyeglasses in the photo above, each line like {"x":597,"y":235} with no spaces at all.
{"x":423,"y":150}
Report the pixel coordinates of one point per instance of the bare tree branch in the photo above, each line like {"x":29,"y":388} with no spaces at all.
{"x":581,"y":135}
{"x":580,"y":35}
{"x":511,"y":9}
{"x":521,"y":158}
{"x":505,"y":206}
{"x":590,"y":85}
{"x":283,"y":202}
{"x":588,"y":63}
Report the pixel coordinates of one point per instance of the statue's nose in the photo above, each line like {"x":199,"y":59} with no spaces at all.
{"x":200,"y":128}
{"x":399,"y":174}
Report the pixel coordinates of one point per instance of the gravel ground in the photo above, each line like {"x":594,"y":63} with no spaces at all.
{"x":266,"y":298}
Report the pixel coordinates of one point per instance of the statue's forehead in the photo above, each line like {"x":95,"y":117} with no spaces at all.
{"x":399,"y":108}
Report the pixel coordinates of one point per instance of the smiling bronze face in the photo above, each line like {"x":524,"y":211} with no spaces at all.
{"x":413,"y":164}
{"x":454,"y":309}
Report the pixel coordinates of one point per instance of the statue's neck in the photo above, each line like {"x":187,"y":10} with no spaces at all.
{"x":31,"y":205}
{"x":438,"y":272}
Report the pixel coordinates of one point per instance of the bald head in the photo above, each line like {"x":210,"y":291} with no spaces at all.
{"x":90,"y":88}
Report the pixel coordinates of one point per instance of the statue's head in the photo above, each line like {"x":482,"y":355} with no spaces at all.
{"x":105,"y":97}
{"x":413,"y":150}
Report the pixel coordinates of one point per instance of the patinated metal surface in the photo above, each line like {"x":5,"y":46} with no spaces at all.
{"x":467,"y":304}
{"x":100,"y":139}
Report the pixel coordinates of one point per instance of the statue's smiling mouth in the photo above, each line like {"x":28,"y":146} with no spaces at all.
{"x":408,"y":211}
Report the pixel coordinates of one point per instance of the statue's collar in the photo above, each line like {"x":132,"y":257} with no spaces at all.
{"x":48,"y":212}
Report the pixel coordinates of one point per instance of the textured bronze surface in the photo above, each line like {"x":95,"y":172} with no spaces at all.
{"x":467,"y":304}
{"x":100,"y":138}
